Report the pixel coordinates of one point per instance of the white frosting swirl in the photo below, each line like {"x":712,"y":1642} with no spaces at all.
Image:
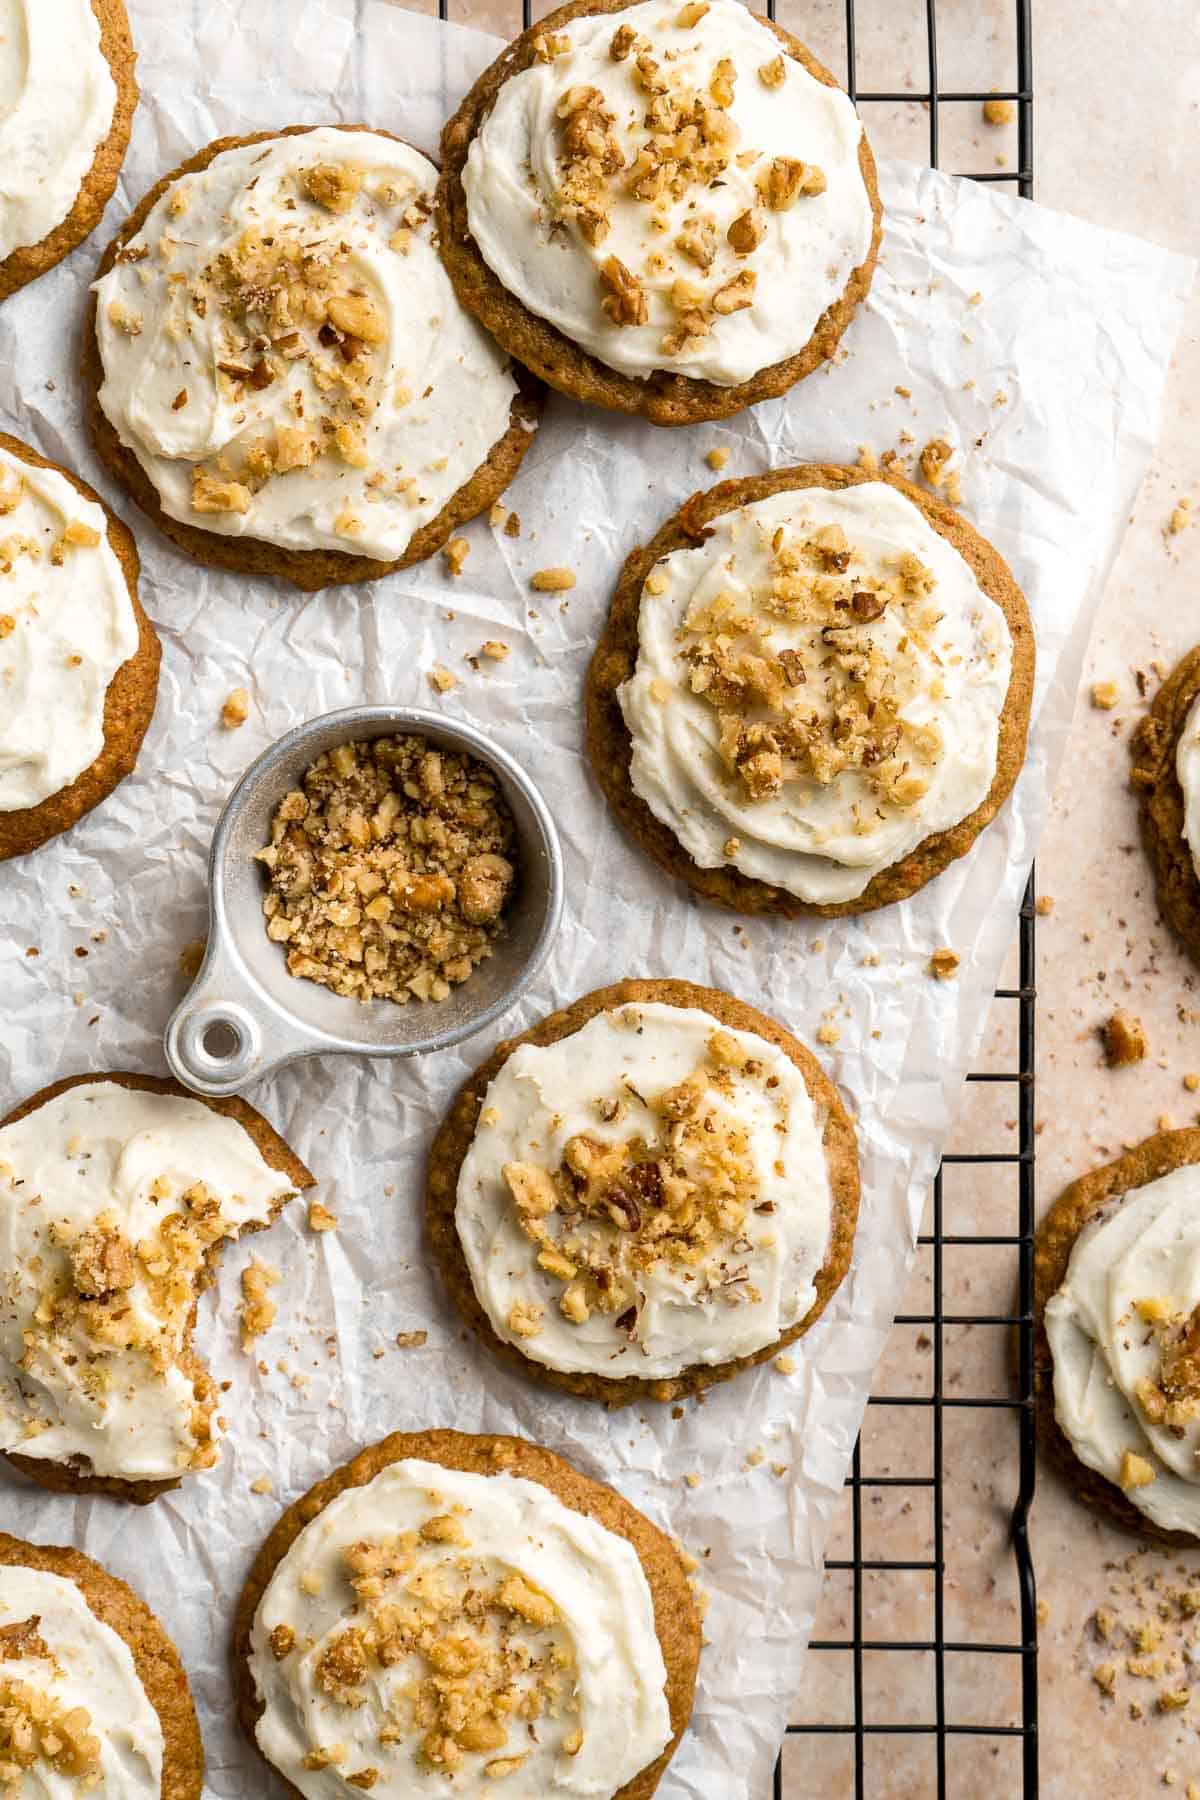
{"x":514,"y":178}
{"x":1187,"y":770}
{"x":57,"y":99}
{"x":598,"y":1642}
{"x":102,"y":1381}
{"x":822,"y":839}
{"x":66,"y":625}
{"x":90,"y":1666}
{"x":1137,"y":1260}
{"x":298,"y":446}
{"x":755,"y":1277}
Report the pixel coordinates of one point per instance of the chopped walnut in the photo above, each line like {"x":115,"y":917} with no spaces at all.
{"x":624,"y":301}
{"x":456,"y":553}
{"x":320,"y":1218}
{"x":236,"y":709}
{"x":1105,"y":695}
{"x":623,"y":40}
{"x":1135,"y":1471}
{"x":1124,"y":1040}
{"x":525,"y":1318}
{"x":785,"y":180}
{"x":126,"y":318}
{"x":1180,"y":518}
{"x":36,"y":1729}
{"x":212,"y":496}
{"x":102,"y":1262}
{"x":258,"y":1311}
{"x":773,"y":74}
{"x":746,"y":232}
{"x":943,"y":964}
{"x":411,"y":1340}
{"x":998,"y":112}
{"x":716,"y":459}
{"x":334,"y":186}
{"x":391,"y":870}
{"x":441,"y":679}
{"x":283,"y":1642}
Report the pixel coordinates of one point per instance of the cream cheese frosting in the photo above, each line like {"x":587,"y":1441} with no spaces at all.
{"x":110,"y":1198}
{"x":1187,"y":771}
{"x":819,"y":688}
{"x":1124,"y":1330}
{"x":57,"y":100}
{"x":67,"y":1679}
{"x":646,"y":1194}
{"x":66,"y":625}
{"x":444,"y":1631}
{"x":285,"y":356}
{"x":672,"y":191}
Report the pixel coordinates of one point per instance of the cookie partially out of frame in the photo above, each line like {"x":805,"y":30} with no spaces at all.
{"x":665,"y":397}
{"x":309,"y":569}
{"x":1153,"y":748}
{"x":610,"y":745}
{"x":27,"y":262}
{"x":1056,"y":1236}
{"x":70,"y":1477}
{"x":154,"y":1655}
{"x":129,"y":701}
{"x":457,"y":1133}
{"x":675,"y":1621}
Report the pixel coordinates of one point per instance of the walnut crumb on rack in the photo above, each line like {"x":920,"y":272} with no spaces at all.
{"x":390,"y":870}
{"x":998,"y":112}
{"x":1124,"y":1040}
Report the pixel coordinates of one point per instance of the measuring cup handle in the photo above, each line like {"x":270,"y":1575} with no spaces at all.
{"x":218,"y":1042}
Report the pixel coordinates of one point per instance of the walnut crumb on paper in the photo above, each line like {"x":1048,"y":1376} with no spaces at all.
{"x":258,"y":1311}
{"x":1124,"y":1040}
{"x":411,"y":1340}
{"x":262,"y":1485}
{"x":442,"y":679}
{"x":236,"y":709}
{"x":827,"y":1031}
{"x":786,"y":1365}
{"x":1181,"y":517}
{"x":320,"y":1218}
{"x":456,"y":553}
{"x":552,"y":581}
{"x":1105,"y":695}
{"x":717,"y":458}
{"x":495,"y":649}
{"x":943,"y":964}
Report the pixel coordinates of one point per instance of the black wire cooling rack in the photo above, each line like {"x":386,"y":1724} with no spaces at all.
{"x":863,"y":1777}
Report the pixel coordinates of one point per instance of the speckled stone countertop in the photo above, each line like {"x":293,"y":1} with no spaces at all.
{"x":1116,"y":125}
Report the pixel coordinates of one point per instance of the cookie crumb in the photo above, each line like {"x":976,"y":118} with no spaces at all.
{"x":236,"y":709}
{"x":998,"y":112}
{"x":411,"y":1340}
{"x":320,"y":1218}
{"x":555,"y":580}
{"x":456,"y":553}
{"x":755,"y":1457}
{"x":943,"y":964}
{"x":828,"y":1033}
{"x":512,"y":525}
{"x":1105,"y":695}
{"x":1124,"y":1040}
{"x":262,"y":1485}
{"x":1181,"y":517}
{"x":717,"y":458}
{"x":692,"y":1479}
{"x":190,"y":958}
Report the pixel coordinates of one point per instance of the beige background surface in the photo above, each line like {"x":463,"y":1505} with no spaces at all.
{"x":1116,"y":125}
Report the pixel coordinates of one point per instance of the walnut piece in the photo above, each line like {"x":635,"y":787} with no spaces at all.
{"x":785,"y":180}
{"x":236,"y":709}
{"x":334,"y":186}
{"x":624,"y":301}
{"x":1124,"y":1040}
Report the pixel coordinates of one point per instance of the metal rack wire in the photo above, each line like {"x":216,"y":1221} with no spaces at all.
{"x":943,"y":1407}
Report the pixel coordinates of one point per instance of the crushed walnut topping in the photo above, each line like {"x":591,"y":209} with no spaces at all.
{"x":258,"y":1310}
{"x":486,"y":1660}
{"x":614,"y":1209}
{"x":390,"y":870}
{"x":1171,"y":1397}
{"x":38,"y":1732}
{"x":835,"y":706}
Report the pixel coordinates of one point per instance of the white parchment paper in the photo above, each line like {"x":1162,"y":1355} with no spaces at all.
{"x":1052,"y":386}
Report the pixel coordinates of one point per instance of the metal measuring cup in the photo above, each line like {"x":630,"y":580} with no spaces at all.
{"x":246,"y":1016}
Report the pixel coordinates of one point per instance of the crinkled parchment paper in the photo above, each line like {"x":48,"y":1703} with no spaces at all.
{"x":1051,"y":383}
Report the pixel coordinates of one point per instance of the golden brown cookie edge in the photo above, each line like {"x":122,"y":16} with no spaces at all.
{"x":309,"y":570}
{"x":64,"y":1478}
{"x":1152,"y":749}
{"x":454,"y":1137}
{"x":155,"y":1657}
{"x":610,"y":746}
{"x":128,"y":702}
{"x":676,"y":1623}
{"x":1054,"y":1241}
{"x":664,"y":398}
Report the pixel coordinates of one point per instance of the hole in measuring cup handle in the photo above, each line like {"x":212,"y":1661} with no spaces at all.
{"x":216,"y":1048}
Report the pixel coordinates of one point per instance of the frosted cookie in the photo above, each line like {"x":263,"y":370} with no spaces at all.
{"x":78,"y":656}
{"x":117,"y":1194}
{"x":451,"y":1615}
{"x":648,"y":1192}
{"x":282,"y":376}
{"x":93,"y":1697}
{"x":1117,"y":1357}
{"x":666,"y":210}
{"x":67,"y":98}
{"x":812,"y":692}
{"x":1166,"y":774}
